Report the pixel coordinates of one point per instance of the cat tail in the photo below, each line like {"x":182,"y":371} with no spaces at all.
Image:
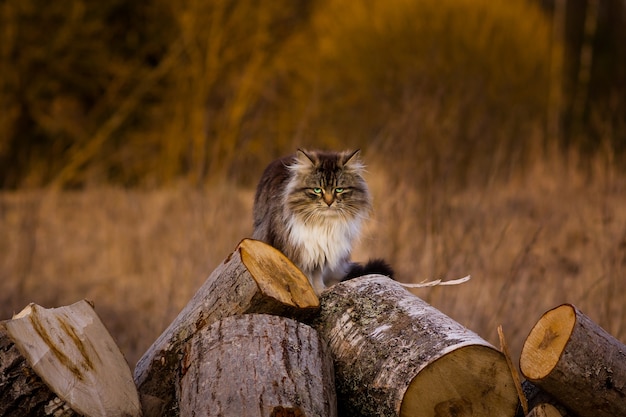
{"x":373,"y":266}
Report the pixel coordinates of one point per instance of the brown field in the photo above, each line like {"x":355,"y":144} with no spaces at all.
{"x":549,"y":236}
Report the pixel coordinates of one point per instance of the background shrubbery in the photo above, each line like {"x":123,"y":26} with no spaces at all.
{"x":152,"y":93}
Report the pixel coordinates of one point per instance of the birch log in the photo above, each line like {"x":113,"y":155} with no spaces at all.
{"x":63,"y":362}
{"x":255,"y":278}
{"x":395,"y":355}
{"x":577,"y":362}
{"x":257,"y":365}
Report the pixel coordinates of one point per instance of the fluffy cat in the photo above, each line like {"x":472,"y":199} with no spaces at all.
{"x":311,"y":206}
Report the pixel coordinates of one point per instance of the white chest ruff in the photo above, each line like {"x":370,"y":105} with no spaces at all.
{"x":323,"y":246}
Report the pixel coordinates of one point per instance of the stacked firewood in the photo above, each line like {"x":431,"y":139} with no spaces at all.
{"x":255,"y":340}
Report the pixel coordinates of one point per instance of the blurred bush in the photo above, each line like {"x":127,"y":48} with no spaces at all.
{"x":67,"y":67}
{"x":457,"y":87}
{"x":154,"y":92}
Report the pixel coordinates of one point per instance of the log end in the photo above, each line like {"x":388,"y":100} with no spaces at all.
{"x":546,"y":342}
{"x":470,"y":381}
{"x":276,"y":276}
{"x":545,"y":410}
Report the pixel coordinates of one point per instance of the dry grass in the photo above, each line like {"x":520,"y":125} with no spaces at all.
{"x":139,"y":256}
{"x":549,"y":237}
{"x":531,"y":243}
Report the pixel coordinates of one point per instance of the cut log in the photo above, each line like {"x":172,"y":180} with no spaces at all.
{"x":544,"y":410}
{"x":577,"y":362}
{"x":63,"y":361}
{"x":395,"y":355}
{"x":255,"y":278}
{"x":257,"y":365}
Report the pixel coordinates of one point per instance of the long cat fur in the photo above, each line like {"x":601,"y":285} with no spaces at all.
{"x":311,"y":206}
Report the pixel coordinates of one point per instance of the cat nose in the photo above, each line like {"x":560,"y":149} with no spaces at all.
{"x":328,"y":199}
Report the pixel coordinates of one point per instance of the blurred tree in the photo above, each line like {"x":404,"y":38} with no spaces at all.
{"x":66,"y":67}
{"x":227,"y":77}
{"x":594,"y":75}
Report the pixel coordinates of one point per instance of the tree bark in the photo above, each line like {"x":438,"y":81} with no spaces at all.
{"x":257,"y":365}
{"x":395,"y":355}
{"x":63,"y":362}
{"x":22,"y":392}
{"x":255,"y":278}
{"x":577,"y":362}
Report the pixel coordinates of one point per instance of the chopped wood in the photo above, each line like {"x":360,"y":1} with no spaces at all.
{"x":63,"y":361}
{"x":257,"y":365}
{"x":516,"y":379}
{"x":544,"y":410}
{"x":22,"y":392}
{"x":255,"y":278}
{"x":577,"y":362}
{"x":396,"y":355}
{"x":535,"y":396}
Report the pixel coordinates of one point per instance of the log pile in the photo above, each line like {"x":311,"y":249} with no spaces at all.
{"x":255,"y":340}
{"x":255,"y":278}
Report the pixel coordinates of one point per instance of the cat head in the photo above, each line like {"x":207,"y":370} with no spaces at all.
{"x":327,"y":184}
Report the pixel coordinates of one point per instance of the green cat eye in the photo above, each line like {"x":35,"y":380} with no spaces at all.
{"x":339,"y":190}
{"x":317,"y":190}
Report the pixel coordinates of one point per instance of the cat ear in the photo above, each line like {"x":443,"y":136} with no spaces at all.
{"x":352,"y":158}
{"x":303,"y":156}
